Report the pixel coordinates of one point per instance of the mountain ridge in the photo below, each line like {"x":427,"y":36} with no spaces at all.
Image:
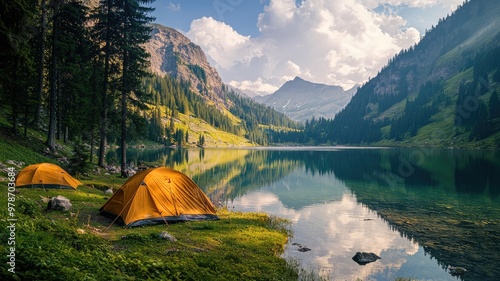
{"x":174,"y":54}
{"x":415,"y":98}
{"x":302,"y":100}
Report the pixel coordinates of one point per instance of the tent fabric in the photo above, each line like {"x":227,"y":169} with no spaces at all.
{"x":159,"y":195}
{"x":46,"y":175}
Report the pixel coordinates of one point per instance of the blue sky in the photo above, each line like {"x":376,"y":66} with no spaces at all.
{"x":257,"y":45}
{"x":241,"y":15}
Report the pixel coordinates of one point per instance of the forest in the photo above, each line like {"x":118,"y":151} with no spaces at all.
{"x":442,"y":91}
{"x":79,"y":73}
{"x":72,"y":71}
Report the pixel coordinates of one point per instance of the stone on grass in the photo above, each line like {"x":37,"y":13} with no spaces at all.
{"x":59,"y":203}
{"x":167,"y":236}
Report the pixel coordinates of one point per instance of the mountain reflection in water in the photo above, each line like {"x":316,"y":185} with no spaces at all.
{"x":421,"y":210}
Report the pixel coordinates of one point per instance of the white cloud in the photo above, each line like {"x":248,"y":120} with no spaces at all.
{"x":340,"y":42}
{"x":174,"y":7}
{"x":256,"y":86}
{"x":452,"y":4}
{"x":222,"y":43}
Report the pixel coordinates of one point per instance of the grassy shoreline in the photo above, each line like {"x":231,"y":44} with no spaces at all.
{"x":78,"y":245}
{"x":75,"y":245}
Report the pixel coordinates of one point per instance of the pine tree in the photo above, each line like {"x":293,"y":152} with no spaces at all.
{"x":106,"y":34}
{"x":54,"y":65}
{"x":494,"y":106}
{"x":135,"y":33}
{"x":79,"y":164}
{"x":16,"y":56}
{"x":40,"y":62}
{"x":75,"y":69}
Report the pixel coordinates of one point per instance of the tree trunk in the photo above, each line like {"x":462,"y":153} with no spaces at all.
{"x":103,"y":126}
{"x":51,"y":139}
{"x":124,"y":135}
{"x":60,"y":104}
{"x":41,"y":53}
{"x":124,"y":112}
{"x":94,"y":95}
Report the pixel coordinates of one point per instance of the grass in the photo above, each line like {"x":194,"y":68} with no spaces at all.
{"x":15,"y":148}
{"x":213,"y":136}
{"x":75,"y":245}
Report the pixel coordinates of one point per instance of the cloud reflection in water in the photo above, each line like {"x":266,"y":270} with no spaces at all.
{"x":335,"y":228}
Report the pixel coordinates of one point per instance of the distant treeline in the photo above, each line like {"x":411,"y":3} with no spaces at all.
{"x":176,"y":97}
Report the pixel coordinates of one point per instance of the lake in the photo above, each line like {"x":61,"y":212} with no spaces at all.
{"x":420,"y":209}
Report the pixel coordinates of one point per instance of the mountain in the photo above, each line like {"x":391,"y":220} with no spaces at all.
{"x":302,"y":100}
{"x":194,"y":98}
{"x":441,"y":92}
{"x":256,"y":95}
{"x":174,"y":54}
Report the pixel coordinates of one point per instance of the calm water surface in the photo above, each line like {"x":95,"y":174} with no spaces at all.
{"x":421,"y":210}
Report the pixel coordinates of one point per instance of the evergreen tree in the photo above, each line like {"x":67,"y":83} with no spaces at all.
{"x":106,"y":35}
{"x":135,"y":33}
{"x":79,"y":164}
{"x":54,"y":66}
{"x":494,"y":106}
{"x":17,"y":57}
{"x":201,"y":140}
{"x":75,"y":70}
{"x":40,"y":62}
{"x":479,"y":122}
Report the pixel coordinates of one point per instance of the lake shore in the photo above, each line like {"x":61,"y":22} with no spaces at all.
{"x":78,"y":244}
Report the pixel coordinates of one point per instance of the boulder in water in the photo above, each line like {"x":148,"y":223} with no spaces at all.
{"x":363,"y":258}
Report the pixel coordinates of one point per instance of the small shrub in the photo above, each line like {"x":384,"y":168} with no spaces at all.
{"x":27,"y":206}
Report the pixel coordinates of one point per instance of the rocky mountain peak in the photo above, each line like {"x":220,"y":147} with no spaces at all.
{"x":174,"y":54}
{"x":302,"y":100}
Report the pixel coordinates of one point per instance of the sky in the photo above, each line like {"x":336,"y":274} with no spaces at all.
{"x":258,"y":45}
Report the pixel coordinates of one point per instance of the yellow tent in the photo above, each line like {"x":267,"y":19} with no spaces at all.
{"x":159,"y":195}
{"x":46,"y":175}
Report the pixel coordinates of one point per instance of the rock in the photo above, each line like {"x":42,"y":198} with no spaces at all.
{"x":167,"y":236}
{"x":174,"y":54}
{"x":363,"y":258}
{"x":109,"y":191}
{"x":59,"y":203}
{"x":303,"y":249}
{"x":63,"y":160}
{"x":130,"y":172}
{"x":172,"y":251}
{"x":456,"y":270}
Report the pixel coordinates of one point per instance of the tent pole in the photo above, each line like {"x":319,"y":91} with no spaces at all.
{"x":173,"y":197}
{"x":119,"y":213}
{"x":165,"y":220}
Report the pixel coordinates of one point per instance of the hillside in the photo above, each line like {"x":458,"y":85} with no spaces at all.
{"x":185,"y":83}
{"x":302,"y":100}
{"x":175,"y":55}
{"x":441,"y":92}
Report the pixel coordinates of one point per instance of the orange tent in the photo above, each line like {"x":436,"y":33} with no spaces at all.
{"x":159,"y":195}
{"x":46,"y":175}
